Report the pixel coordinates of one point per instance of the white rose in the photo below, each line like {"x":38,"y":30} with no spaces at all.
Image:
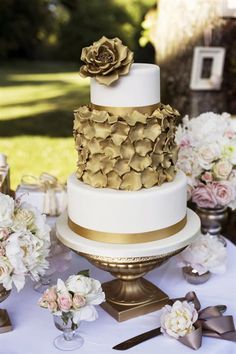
{"x":27,"y":253}
{"x":24,"y":219}
{"x":207,"y":154}
{"x":39,"y":227}
{"x":90,"y":289}
{"x":177,"y":320}
{"x":207,"y":128}
{"x":6,"y":270}
{"x":188,"y":162}
{"x":222,"y":169}
{"x":205,"y":254}
{"x":6,"y":210}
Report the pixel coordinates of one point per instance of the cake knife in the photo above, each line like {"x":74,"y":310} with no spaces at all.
{"x":131,"y":342}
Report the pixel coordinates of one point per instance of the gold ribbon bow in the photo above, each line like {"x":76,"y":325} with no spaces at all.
{"x":49,"y":185}
{"x":210,"y":323}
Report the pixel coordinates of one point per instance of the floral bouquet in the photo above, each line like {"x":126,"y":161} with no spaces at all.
{"x":207,"y":155}
{"x":24,"y":242}
{"x":206,"y":254}
{"x":71,"y":302}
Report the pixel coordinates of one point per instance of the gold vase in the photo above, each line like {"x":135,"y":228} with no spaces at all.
{"x":5,"y":323}
{"x":130,"y":295}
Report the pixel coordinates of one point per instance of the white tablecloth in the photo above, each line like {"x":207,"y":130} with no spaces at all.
{"x":34,"y":330}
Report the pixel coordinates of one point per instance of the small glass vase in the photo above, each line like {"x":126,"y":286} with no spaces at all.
{"x":212,"y":221}
{"x":70,"y":339}
{"x":193,"y":277}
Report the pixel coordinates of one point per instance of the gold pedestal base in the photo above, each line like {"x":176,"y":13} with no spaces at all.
{"x":153,"y":299}
{"x":5,"y":323}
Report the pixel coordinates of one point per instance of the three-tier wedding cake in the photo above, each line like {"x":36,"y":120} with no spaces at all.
{"x":126,"y":190}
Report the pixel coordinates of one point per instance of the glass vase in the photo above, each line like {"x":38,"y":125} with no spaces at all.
{"x":193,"y":277}
{"x":70,"y":339}
{"x":212,"y":221}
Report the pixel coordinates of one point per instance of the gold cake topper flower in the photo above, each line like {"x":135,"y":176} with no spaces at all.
{"x":106,"y":60}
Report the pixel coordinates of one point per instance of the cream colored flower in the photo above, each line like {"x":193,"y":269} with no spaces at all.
{"x":5,"y":273}
{"x":178,"y":320}
{"x":24,"y":219}
{"x":222,"y":169}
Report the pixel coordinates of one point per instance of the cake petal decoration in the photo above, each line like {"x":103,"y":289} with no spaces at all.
{"x":102,"y":130}
{"x":127,"y":150}
{"x":131,"y":181}
{"x":113,"y":180}
{"x":97,"y":180}
{"x":110,"y":147}
{"x":136,"y":117}
{"x":149,"y":178}
{"x":106,"y":60}
{"x":122,"y":167}
{"x":120,"y":132}
{"x":139,"y":163}
{"x":142,"y":147}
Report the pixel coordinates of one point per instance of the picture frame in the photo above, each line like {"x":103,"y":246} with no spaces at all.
{"x":228,"y":8}
{"x":207,"y":68}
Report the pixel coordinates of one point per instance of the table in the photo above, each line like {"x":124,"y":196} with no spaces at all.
{"x":34,"y":330}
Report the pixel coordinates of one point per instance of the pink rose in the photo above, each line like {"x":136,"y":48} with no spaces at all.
{"x":4,"y":233}
{"x":204,"y":197}
{"x":78,"y":301}
{"x":65,"y":302}
{"x":50,"y":295}
{"x":184,"y":142}
{"x":223,"y":192}
{"x":53,"y":307}
{"x":207,"y":177}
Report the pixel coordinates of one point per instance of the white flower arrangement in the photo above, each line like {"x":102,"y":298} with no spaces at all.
{"x":74,"y":299}
{"x":205,"y":254}
{"x":178,"y":320}
{"x":207,"y":155}
{"x":24,"y":242}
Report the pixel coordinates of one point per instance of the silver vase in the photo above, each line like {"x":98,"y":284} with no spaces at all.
{"x":193,"y":277}
{"x":212,"y":221}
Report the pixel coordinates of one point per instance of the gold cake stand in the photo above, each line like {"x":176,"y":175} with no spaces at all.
{"x":129,"y":295}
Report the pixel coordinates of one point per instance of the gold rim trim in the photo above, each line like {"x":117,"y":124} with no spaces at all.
{"x":121,"y":111}
{"x":109,"y":237}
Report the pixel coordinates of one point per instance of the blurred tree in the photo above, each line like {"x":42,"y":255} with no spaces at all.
{"x":24,"y":27}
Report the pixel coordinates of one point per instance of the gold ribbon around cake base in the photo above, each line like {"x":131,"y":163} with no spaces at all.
{"x":110,"y":237}
{"x":121,"y":111}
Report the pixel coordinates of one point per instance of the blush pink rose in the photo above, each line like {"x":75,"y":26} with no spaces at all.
{"x":78,"y":301}
{"x":4,"y":233}
{"x":223,"y":192}
{"x":64,"y":302}
{"x":204,"y":197}
{"x":50,"y":295}
{"x":207,"y":177}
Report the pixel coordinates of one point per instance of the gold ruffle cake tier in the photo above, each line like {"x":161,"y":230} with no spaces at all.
{"x":129,"y":152}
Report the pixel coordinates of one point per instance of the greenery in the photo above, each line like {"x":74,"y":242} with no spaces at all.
{"x":59,"y":29}
{"x":37,"y":102}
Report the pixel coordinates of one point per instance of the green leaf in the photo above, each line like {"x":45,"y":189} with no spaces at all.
{"x":84,"y":272}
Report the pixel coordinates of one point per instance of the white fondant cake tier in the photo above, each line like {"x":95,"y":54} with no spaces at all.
{"x":117,"y":211}
{"x":141,"y":87}
{"x":161,"y":247}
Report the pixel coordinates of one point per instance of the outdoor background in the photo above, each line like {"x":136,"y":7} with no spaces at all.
{"x":40,"y":46}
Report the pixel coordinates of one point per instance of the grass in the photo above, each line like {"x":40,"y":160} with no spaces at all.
{"x":36,"y":114}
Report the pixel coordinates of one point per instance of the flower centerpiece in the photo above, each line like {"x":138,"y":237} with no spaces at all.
{"x":204,"y":256}
{"x":71,"y":302}
{"x":24,"y":243}
{"x":207,"y":155}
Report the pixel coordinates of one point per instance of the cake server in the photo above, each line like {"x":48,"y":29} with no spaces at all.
{"x":131,"y":342}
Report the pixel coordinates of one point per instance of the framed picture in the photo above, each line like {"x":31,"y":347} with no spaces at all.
{"x":207,"y":68}
{"x":228,"y":8}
